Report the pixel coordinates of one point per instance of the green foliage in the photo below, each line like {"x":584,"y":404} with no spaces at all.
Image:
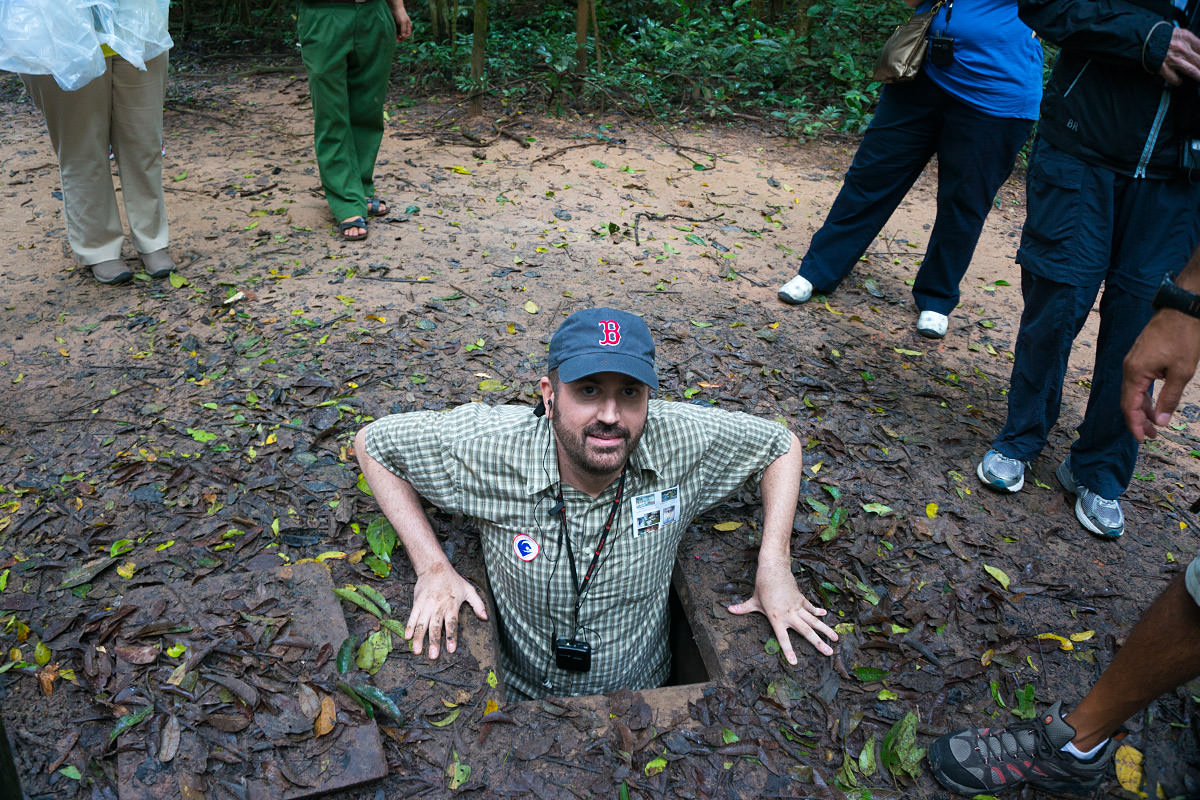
{"x":806,"y":63}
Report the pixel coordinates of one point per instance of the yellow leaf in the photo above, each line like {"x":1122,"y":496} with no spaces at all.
{"x":492,"y":680}
{"x":986,"y":658}
{"x":1129,"y":769}
{"x":725,"y":527}
{"x":326,"y":719}
{"x":460,"y":170}
{"x":999,"y":574}
{"x":1063,"y":642}
{"x":531,"y":306}
{"x":446,"y":720}
{"x":817,"y":467}
{"x":62,"y":351}
{"x":931,"y":510}
{"x":512,"y":328}
{"x":376,"y":317}
{"x":330,"y":554}
{"x":904,"y":352}
{"x":831,"y":311}
{"x":271,"y":438}
{"x":491,"y":707}
{"x":127,"y":569}
{"x":1082,"y":636}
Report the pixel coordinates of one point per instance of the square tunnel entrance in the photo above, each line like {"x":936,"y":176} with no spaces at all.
{"x":694,"y":661}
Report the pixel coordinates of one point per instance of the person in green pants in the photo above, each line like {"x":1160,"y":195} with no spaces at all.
{"x":347,"y":47}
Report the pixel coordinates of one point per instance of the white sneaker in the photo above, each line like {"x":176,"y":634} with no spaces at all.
{"x":795,"y":291}
{"x":930,"y":324}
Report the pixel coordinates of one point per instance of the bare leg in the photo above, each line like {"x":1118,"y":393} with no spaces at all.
{"x":1163,"y":651}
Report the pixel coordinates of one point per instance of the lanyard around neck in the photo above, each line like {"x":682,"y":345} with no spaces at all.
{"x":576,"y":584}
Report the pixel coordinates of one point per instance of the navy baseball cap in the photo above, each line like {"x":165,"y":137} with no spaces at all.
{"x":603,"y":340}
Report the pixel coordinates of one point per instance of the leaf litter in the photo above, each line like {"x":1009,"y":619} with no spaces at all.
{"x":202,"y":428}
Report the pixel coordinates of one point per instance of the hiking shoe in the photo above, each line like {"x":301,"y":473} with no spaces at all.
{"x":158,"y":264}
{"x":932,"y":325}
{"x":795,"y":291}
{"x":111,"y":272}
{"x":1000,"y":472}
{"x":1099,"y":515}
{"x":991,"y":760}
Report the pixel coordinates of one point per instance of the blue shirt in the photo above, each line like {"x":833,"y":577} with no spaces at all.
{"x":997,"y":65}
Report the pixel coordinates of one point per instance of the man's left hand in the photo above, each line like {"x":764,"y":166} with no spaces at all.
{"x":777,"y":597}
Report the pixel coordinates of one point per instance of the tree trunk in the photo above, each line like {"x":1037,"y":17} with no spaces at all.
{"x":435,"y":27}
{"x":803,"y":22}
{"x":581,"y":29}
{"x":478,"y":50}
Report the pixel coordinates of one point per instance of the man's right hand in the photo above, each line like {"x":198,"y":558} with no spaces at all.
{"x":1182,"y":59}
{"x":1167,"y":349}
{"x":437,"y":597}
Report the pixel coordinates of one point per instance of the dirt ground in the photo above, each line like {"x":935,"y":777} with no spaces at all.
{"x":160,"y":435}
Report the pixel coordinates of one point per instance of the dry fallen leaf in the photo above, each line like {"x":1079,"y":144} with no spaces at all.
{"x":327,"y":717}
{"x":1128,"y":762}
{"x":46,"y":677}
{"x":310,"y":703}
{"x":168,"y":742}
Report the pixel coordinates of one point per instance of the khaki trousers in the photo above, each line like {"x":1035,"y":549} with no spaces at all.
{"x":122,"y":108}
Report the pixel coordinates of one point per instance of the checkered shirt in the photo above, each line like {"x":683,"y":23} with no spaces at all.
{"x":497,"y":466}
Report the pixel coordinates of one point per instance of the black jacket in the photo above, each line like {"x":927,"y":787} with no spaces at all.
{"x":1105,"y":102}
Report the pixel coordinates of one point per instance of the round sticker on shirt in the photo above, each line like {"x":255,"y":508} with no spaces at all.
{"x":525,"y":547}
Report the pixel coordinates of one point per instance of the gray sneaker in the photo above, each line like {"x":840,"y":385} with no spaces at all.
{"x":992,"y":760}
{"x":998,"y":471}
{"x":1099,"y":515}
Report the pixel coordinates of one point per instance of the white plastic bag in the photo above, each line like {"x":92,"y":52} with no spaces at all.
{"x":50,"y":37}
{"x":135,"y":29}
{"x":63,"y":37}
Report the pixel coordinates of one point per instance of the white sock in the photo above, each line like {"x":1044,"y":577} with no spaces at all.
{"x":1070,"y":747}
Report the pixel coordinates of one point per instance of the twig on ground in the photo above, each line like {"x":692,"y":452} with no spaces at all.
{"x":637,"y":219}
{"x":561,"y":150}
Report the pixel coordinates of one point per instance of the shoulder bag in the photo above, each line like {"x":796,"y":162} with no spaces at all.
{"x":904,"y":52}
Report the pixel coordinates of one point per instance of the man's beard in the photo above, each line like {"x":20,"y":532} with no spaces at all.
{"x":611,"y":460}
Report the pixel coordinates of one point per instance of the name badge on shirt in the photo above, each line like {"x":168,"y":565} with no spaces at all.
{"x":654,"y":509}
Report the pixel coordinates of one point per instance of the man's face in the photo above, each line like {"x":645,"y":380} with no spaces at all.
{"x":598,"y":421}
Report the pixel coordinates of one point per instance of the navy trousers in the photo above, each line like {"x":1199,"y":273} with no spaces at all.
{"x":1086,"y":226}
{"x":913,"y":122}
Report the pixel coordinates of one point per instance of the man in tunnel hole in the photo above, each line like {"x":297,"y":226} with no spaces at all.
{"x":580,"y":506}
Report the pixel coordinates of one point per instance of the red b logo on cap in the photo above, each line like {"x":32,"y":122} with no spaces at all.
{"x":611,"y":331}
